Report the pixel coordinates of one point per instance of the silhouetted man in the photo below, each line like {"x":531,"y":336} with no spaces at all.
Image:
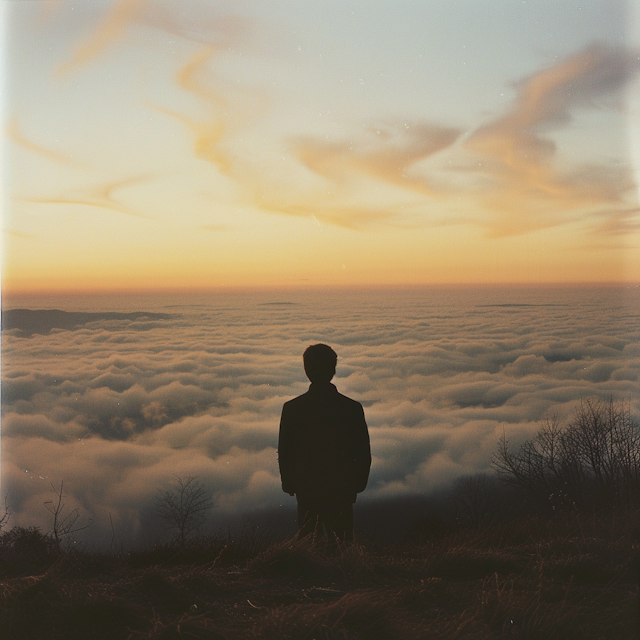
{"x":323,"y":450}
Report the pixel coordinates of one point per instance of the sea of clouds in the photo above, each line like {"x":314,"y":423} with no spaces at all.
{"x":118,"y":405}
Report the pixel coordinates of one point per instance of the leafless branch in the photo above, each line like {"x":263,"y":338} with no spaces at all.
{"x":64,"y":526}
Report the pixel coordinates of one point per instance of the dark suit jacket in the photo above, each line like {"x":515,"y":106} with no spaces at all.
{"x":323,"y":448}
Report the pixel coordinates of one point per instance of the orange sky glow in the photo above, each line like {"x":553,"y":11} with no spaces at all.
{"x":230,"y":146}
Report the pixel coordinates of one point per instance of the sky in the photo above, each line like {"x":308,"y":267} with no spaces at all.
{"x":116,"y":407}
{"x":155,"y":145}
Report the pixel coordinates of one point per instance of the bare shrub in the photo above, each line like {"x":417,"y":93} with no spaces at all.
{"x":593,"y":458}
{"x":25,"y":550}
{"x":476,"y":499}
{"x":184,"y":507}
{"x":65,"y":525}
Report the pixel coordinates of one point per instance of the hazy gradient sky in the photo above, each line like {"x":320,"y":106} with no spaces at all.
{"x":156,"y":144}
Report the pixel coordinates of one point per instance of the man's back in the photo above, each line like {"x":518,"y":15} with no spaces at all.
{"x":323,"y":449}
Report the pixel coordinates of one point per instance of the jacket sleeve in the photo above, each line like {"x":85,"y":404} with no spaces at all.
{"x":286,"y":452}
{"x":362,"y":452}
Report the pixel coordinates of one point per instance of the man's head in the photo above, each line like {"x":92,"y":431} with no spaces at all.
{"x":320,"y":362}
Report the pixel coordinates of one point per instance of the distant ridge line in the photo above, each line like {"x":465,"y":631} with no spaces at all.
{"x":278,"y":304}
{"x":524,"y":304}
{"x":41,"y":321}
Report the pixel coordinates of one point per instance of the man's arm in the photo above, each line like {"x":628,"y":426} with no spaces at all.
{"x":286,"y":452}
{"x":362,"y":453}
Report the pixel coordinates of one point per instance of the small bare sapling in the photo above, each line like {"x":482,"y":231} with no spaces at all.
{"x":5,"y":513}
{"x":65,"y":525}
{"x":184,"y":507}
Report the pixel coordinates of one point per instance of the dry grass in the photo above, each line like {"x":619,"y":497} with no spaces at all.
{"x":554,"y":579}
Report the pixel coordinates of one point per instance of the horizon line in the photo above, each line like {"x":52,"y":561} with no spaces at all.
{"x":110,"y":291}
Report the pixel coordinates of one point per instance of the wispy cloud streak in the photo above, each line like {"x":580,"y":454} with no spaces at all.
{"x":209,"y":132}
{"x":109,"y":30}
{"x":618,"y":223}
{"x":346,"y":216}
{"x":388,"y":153}
{"x":14,"y":133}
{"x":98,"y":196}
{"x":528,"y":189}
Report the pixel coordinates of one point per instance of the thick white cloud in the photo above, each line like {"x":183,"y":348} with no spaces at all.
{"x":117,"y":408}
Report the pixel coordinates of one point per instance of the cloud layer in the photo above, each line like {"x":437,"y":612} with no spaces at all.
{"x":117,"y":407}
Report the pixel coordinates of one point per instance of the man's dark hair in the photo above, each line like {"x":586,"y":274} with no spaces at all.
{"x":320,"y":362}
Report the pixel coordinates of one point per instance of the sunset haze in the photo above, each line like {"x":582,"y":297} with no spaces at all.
{"x":155,"y":146}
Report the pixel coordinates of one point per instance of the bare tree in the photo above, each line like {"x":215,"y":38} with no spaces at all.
{"x":596,"y":456}
{"x":64,"y":526}
{"x":5,"y":513}
{"x":184,"y":507}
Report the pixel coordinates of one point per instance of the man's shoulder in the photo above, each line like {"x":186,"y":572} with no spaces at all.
{"x":301,"y":399}
{"x":347,"y":401}
{"x":296,"y":403}
{"x":309,"y":398}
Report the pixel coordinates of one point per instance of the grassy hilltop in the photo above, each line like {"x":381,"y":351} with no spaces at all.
{"x":558,"y":577}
